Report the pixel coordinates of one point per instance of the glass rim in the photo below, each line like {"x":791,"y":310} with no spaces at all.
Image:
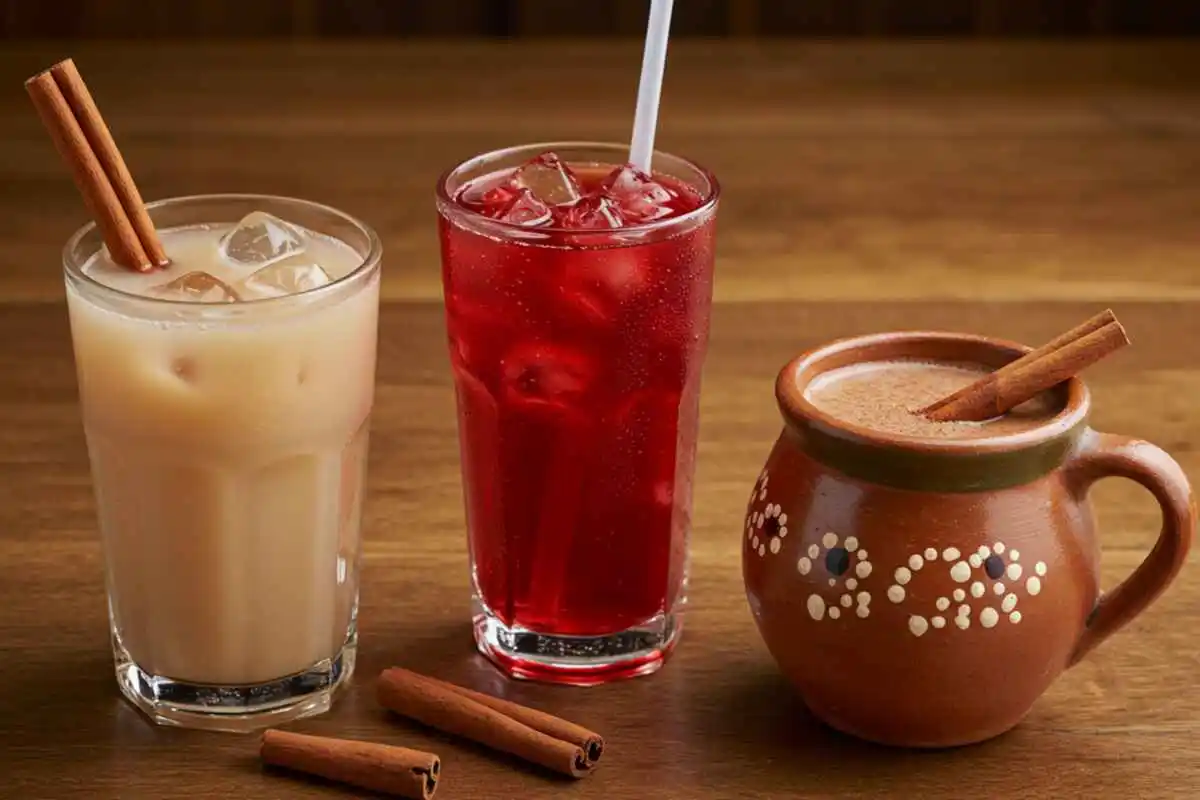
{"x":368,"y":264}
{"x":446,"y":202}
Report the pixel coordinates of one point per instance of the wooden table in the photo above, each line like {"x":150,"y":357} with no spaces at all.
{"x":1004,"y":189}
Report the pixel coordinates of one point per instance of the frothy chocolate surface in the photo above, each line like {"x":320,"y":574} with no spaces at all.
{"x":883,"y":395}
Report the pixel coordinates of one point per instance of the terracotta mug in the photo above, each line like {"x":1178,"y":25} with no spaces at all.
{"x":925,"y":592}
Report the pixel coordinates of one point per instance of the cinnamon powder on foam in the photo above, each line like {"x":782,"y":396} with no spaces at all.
{"x":881,"y":395}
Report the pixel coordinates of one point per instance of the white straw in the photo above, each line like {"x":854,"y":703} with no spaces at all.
{"x":654,"y":62}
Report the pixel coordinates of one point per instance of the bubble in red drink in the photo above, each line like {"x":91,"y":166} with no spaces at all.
{"x":577,"y":336}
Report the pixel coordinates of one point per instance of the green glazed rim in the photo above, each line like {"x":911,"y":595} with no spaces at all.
{"x":924,"y":463}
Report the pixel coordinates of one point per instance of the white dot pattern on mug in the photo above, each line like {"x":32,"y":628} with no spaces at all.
{"x":839,"y":560}
{"x":766,"y":523}
{"x":984,"y":599}
{"x":831,"y":559}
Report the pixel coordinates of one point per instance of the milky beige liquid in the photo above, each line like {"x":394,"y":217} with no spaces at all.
{"x":883,"y":396}
{"x":228,"y":457}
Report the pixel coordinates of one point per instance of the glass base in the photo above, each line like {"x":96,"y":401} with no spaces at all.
{"x":577,"y":660}
{"x":234,"y":709}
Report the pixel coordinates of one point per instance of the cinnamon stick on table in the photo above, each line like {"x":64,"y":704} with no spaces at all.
{"x":1059,"y":359}
{"x":83,"y":140}
{"x":591,"y":743}
{"x":531,"y":735}
{"x":376,"y":767}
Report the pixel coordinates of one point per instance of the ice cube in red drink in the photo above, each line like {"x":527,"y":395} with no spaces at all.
{"x":549,"y":179}
{"x":477,"y":339}
{"x":526,"y":209}
{"x":594,"y":212}
{"x":600,"y":284}
{"x":488,"y":197}
{"x":639,"y":197}
{"x":543,"y":374}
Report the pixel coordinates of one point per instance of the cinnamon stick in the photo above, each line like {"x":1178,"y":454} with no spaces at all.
{"x":71,"y":84}
{"x":1105,"y":317}
{"x":591,"y":742}
{"x":432,"y":703}
{"x":376,"y":767}
{"x":85,"y":144}
{"x":1063,"y":357}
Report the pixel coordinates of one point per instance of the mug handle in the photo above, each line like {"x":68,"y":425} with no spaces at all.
{"x":1104,"y":455}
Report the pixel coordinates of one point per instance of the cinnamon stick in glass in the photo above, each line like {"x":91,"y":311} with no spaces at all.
{"x":76,"y":92}
{"x":376,"y":767}
{"x":1063,"y":357}
{"x":452,"y":710}
{"x":86,"y":145}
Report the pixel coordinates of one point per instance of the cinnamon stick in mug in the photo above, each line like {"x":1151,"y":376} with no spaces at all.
{"x":436,"y":704}
{"x":381,"y":768}
{"x":1020,"y":380}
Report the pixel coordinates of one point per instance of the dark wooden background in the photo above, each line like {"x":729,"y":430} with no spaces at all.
{"x":261,"y":18}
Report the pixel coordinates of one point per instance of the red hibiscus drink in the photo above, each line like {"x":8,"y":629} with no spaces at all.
{"x":577,"y":294}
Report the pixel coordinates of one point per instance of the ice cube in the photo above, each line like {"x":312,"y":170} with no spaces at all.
{"x":478,"y":335}
{"x":197,"y":287}
{"x":592,"y":212}
{"x":526,"y":210}
{"x":600,"y":284}
{"x":639,"y":196}
{"x":489,"y":195}
{"x":550,"y":180}
{"x":543,"y":374}
{"x":285,"y":278}
{"x":261,"y":239}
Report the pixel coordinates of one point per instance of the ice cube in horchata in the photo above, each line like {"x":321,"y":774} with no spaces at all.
{"x":542,"y":374}
{"x":526,"y":209}
{"x":594,"y":212}
{"x":638,"y":195}
{"x":284,"y":278}
{"x":261,"y":239}
{"x":196,"y":287}
{"x":550,"y":180}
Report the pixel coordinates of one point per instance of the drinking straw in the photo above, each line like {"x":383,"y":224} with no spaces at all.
{"x":654,"y":62}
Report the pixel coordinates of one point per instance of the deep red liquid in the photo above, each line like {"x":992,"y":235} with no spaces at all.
{"x":577,"y":371}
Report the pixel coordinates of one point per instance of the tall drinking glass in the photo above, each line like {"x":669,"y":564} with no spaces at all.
{"x":577,"y":357}
{"x":228,"y":447}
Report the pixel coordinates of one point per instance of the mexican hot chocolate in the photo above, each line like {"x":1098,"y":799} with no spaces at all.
{"x":883,"y":396}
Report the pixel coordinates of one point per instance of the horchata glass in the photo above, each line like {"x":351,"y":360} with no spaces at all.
{"x":228,"y":449}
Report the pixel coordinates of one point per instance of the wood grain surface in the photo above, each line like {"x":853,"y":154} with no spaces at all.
{"x":1009,"y":190}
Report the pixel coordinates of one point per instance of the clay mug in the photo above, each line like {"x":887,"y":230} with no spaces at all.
{"x":925,"y":592}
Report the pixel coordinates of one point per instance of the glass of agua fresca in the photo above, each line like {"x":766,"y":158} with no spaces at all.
{"x":226,"y":401}
{"x":577,"y":293}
